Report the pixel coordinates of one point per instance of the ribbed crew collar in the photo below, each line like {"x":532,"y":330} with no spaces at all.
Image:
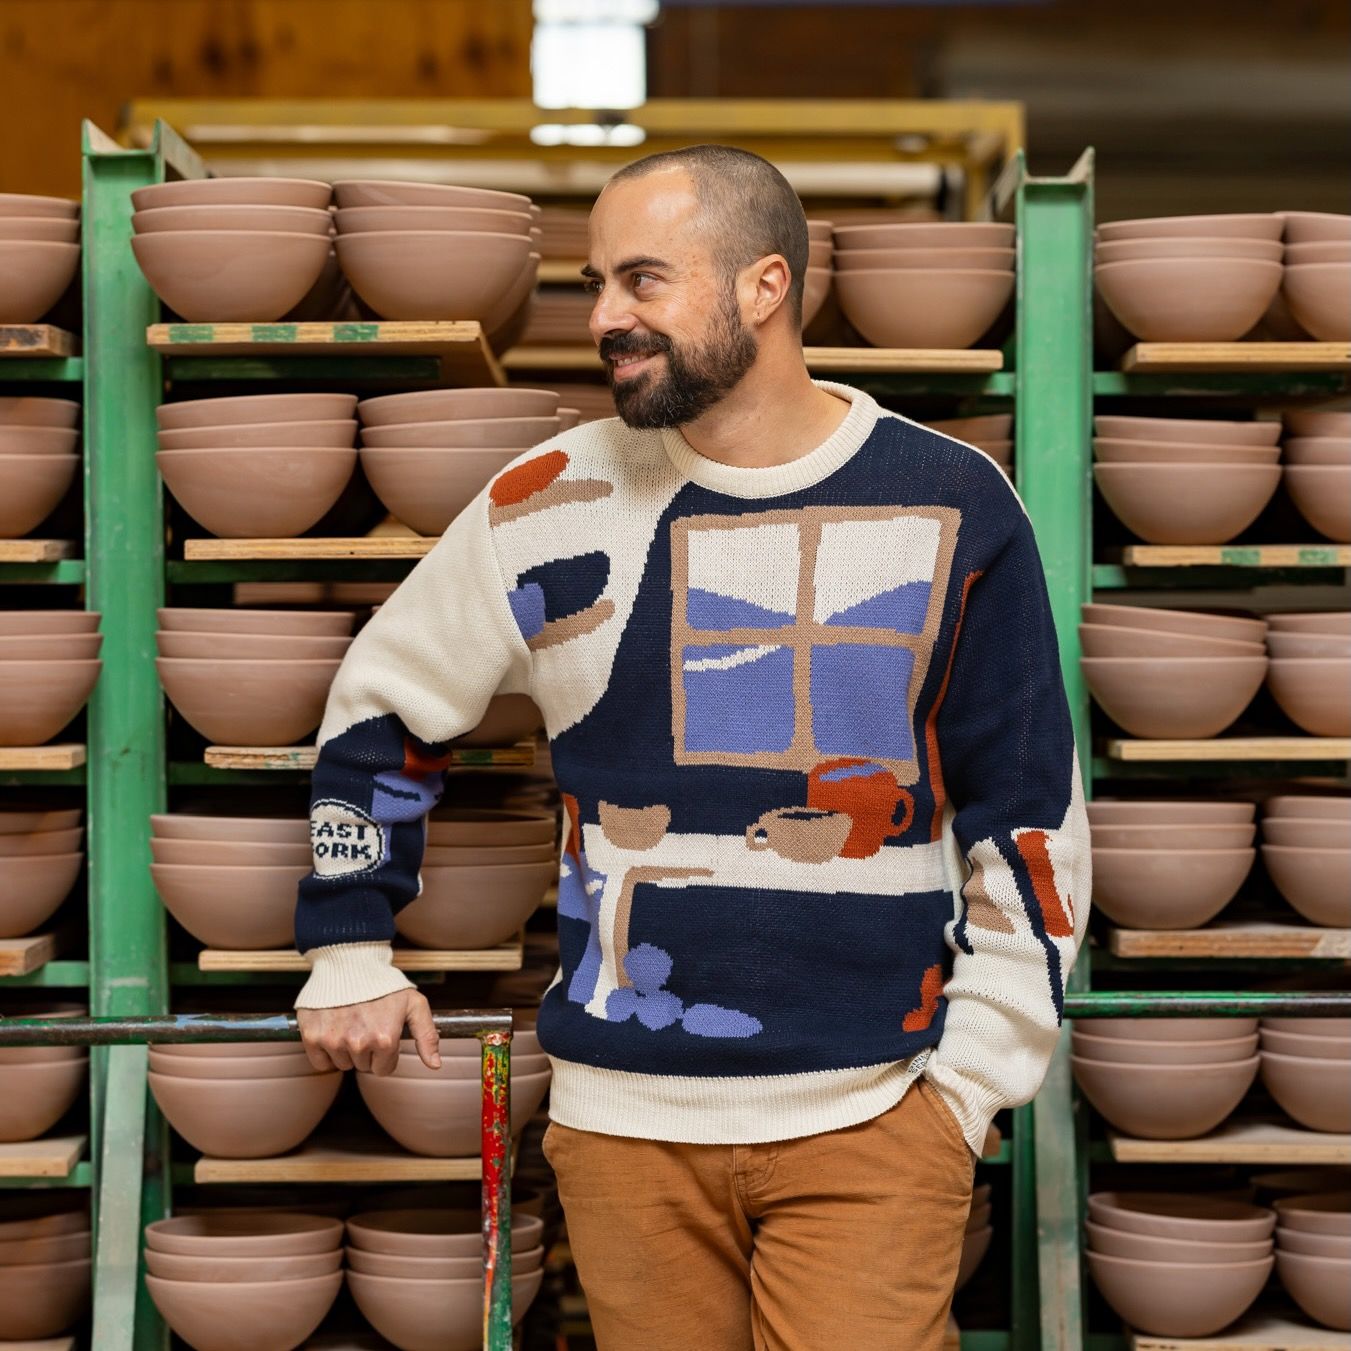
{"x":774,"y":480}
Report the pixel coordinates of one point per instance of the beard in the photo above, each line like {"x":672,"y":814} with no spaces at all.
{"x":695,"y":379}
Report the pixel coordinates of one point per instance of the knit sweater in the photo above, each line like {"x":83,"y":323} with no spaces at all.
{"x":824,"y":827}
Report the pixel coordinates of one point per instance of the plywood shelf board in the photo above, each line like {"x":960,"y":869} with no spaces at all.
{"x":359,"y":546}
{"x":37,"y":550}
{"x":1232,"y":938}
{"x":1255,"y":1331}
{"x":62,"y":755}
{"x":1237,"y":555}
{"x":52,"y":1157}
{"x":1238,"y":1141}
{"x":19,"y":956}
{"x":36,"y":340}
{"x":522,"y":755}
{"x":1231,"y":748}
{"x":508,"y":956}
{"x":1146,"y":357}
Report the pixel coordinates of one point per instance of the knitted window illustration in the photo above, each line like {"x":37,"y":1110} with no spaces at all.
{"x":797,"y":636}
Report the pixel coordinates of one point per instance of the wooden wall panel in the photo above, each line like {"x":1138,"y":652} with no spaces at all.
{"x":63,"y":60}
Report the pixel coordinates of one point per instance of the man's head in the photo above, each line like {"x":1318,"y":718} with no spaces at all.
{"x":698,"y":257}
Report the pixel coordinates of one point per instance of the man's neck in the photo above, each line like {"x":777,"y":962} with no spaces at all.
{"x":774,"y":415}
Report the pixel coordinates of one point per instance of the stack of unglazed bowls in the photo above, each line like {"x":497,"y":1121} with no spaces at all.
{"x":1171,"y":673}
{"x":991,"y":432}
{"x":1313,"y":1255}
{"x":39,"y":1084}
{"x":40,"y":858}
{"x":49,"y":665}
{"x":251,"y":677}
{"x":979,"y":1233}
{"x":1164,"y":864}
{"x":1306,"y":1067}
{"x":1316,"y":285}
{"x":1176,"y":1264}
{"x":228,"y":250}
{"x":1164,"y":1078}
{"x":1306,"y":849}
{"x":45,"y":1268}
{"x":1317,"y":472}
{"x":39,"y":254}
{"x":417,"y":1275}
{"x":225,"y":1280}
{"x":925,"y":285}
{"x":1309,"y":674}
{"x":38,"y":458}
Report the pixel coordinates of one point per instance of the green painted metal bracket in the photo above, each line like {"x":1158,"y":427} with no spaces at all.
{"x":68,"y":572}
{"x":209,"y":572}
{"x":1113,"y":576}
{"x":57,"y":975}
{"x":348,"y":370}
{"x":1234,"y":386}
{"x":35,"y":370}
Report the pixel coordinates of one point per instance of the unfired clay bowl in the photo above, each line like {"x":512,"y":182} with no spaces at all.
{"x":816,"y":286}
{"x":1212,"y":1051}
{"x":942,"y":308}
{"x":421,"y":1315}
{"x":1176,"y":1299}
{"x":301,"y":192}
{"x":34,"y":274}
{"x":1319,"y":296}
{"x":1188,"y":299}
{"x":1322,"y":493}
{"x":463,"y":908}
{"x":1236,"y":627}
{"x":925,"y":235}
{"x":284,"y":219}
{"x":32,"y":888}
{"x":43,"y":228}
{"x":858,"y":260}
{"x":249,"y":646}
{"x":1164,"y":1102}
{"x":1317,"y":1212}
{"x":1301,"y":833}
{"x":38,"y":698}
{"x":1319,"y":1048}
{"x":350,"y":192}
{"x":1188,"y":431}
{"x":1327,"y":808}
{"x":1322,"y":251}
{"x":298,"y":623}
{"x":1316,"y":882}
{"x":1116,"y":640}
{"x":1187,"y":504}
{"x":1316,"y":450}
{"x":258,"y":829}
{"x":1317,"y":1093}
{"x":245,"y":1118}
{"x":357,"y":220}
{"x":1167,"y":888}
{"x":229,"y":853}
{"x":29,"y":204}
{"x":57,"y":1248}
{"x":37,"y":440}
{"x":40,"y":1300}
{"x":468,"y":434}
{"x":427,"y":488}
{"x":36,"y":1094}
{"x":1174,"y":696}
{"x":1316,"y":621}
{"x":440,"y":1117}
{"x":1311,"y":1027}
{"x":1315,"y":422}
{"x":435,"y":1232}
{"x":239,"y":1233}
{"x":446,"y":405}
{"x":410,"y":1066}
{"x":1188,"y":246}
{"x":48,"y":647}
{"x":1231,"y":225}
{"x":30,"y":487}
{"x":41,"y":842}
{"x":1307,"y":645}
{"x":310,"y":432}
{"x":1181,"y":836}
{"x":1162,"y":812}
{"x":485,"y":826}
{"x":509,"y":718}
{"x":1106,"y":451}
{"x":1314,"y":692}
{"x":172,"y":1266}
{"x":232,"y":1067}
{"x":30,"y":410}
{"x":235,"y":908}
{"x":1182,"y":1215}
{"x":246,"y":1315}
{"x":260,"y":703}
{"x":225,"y":1050}
{"x":254,"y":408}
{"x":436,"y":1268}
{"x":1315,"y":1245}
{"x":1150,"y":1247}
{"x":1321,"y":1286}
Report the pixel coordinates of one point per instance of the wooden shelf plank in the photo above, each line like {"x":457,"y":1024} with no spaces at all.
{"x":461,"y":347}
{"x":508,"y":956}
{"x":37,"y":550}
{"x":372,"y":1160}
{"x":55,"y":1156}
{"x":61,"y":755}
{"x":555,"y":270}
{"x":1232,"y":748}
{"x":303,"y":757}
{"x":1145,"y":357}
{"x":1233,"y":938}
{"x":19,"y":956}
{"x":866,"y":360}
{"x":1237,"y":555}
{"x":37,"y":340}
{"x":1238,"y":1141}
{"x":1255,"y":1331}
{"x":357,"y":546}
{"x":47,"y":1344}
{"x":555,"y":357}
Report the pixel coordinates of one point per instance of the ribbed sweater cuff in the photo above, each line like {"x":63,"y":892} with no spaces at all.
{"x":350,"y":973}
{"x":972,"y":1102}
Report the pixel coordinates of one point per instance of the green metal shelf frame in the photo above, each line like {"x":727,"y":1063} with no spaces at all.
{"x":42,"y":370}
{"x":67,"y":572}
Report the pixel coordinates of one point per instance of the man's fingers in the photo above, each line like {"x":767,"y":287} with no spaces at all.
{"x":424,"y":1033}
{"x":384,"y":1053}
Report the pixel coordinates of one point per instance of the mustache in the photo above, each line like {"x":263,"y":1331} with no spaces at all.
{"x":617,"y":345}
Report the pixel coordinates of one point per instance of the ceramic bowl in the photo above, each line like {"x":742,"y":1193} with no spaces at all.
{"x":173,"y":1267}
{"x":987,"y":427}
{"x":1238,"y":628}
{"x":42,"y":1215}
{"x":1307,"y":645}
{"x":1322,"y":493}
{"x":1188,"y":431}
{"x":1186,"y":503}
{"x":1317,"y":422}
{"x":436,"y":1268}
{"x":1321,"y":1286}
{"x":465,"y":855}
{"x":289,"y":623}
{"x":47,"y":229}
{"x":1210,"y":1050}
{"x":23,"y":441}
{"x":34,"y":274}
{"x":1322,"y":251}
{"x":57,"y":1248}
{"x":1182,"y":1215}
{"x":1173,"y":696}
{"x":35,"y":822}
{"x":298,"y":220}
{"x":421,"y":1315}
{"x":310,"y":432}
{"x":1313,"y":692}
{"x":245,"y":1118}
{"x":458,"y":405}
{"x":350,"y":192}
{"x":1151,"y":1247}
{"x":1309,"y":227}
{"x":435,"y":1232}
{"x":30,"y":410}
{"x":1167,"y":888}
{"x":1317,"y":450}
{"x":40,"y":842}
{"x":36,"y":1094}
{"x":232,"y":1067}
{"x":1188,"y":299}
{"x":260,"y":703}
{"x":1306,"y":807}
{"x":249,"y":646}
{"x":29,"y":204}
{"x":1163,"y":812}
{"x":38,"y":698}
{"x":1116,"y":640}
{"x":466,"y":908}
{"x":1317,"y":1048}
{"x":229,"y":853}
{"x":1164,"y":1102}
{"x":1319,"y":296}
{"x":292,"y":192}
{"x":254,"y":408}
{"x":32,"y":888}
{"x":225,"y":1050}
{"x":860,"y":260}
{"x":486,"y":826}
{"x":469,"y":434}
{"x":1316,"y":621}
{"x":1177,"y":1299}
{"x":975,"y":1245}
{"x":30,"y":488}
{"x":427,"y":488}
{"x":1316,"y":1092}
{"x":244,"y":1315}
{"x":1231,"y":225}
{"x":934,"y":307}
{"x":51,"y":647}
{"x":1106,"y":451}
{"x":1197,"y":836}
{"x":1315,"y":1245}
{"x":41,"y":1299}
{"x":236,"y":1232}
{"x":925,"y":235}
{"x":524,"y":1042}
{"x":1188,"y":246}
{"x":250,"y":829}
{"x":242,"y":908}
{"x":410,"y":1066}
{"x":1310,"y":1027}
{"x":459,"y":219}
{"x":1298,"y":832}
{"x":1317,"y":1212}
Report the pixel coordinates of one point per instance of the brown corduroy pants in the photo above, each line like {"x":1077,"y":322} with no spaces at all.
{"x":850,"y":1238}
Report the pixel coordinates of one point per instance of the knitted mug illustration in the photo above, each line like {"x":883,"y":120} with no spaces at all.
{"x":866,"y":792}
{"x":803,"y":834}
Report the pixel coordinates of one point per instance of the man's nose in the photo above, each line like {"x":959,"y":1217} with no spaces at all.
{"x":610,"y":314}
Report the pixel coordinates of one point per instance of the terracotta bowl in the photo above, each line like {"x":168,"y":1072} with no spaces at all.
{"x":1310,"y":1027}
{"x":1150,"y":1247}
{"x":420,"y":1315}
{"x":1162,"y":812}
{"x":225,"y":276}
{"x":1140,"y":452}
{"x":58,"y":1248}
{"x":470,"y":434}
{"x":1231,"y":225}
{"x":1316,"y":621}
{"x":194,"y":414}
{"x":350,"y":192}
{"x":1315,"y":1245}
{"x":410,"y":1066}
{"x":1195,"y":836}
{"x":988,"y":427}
{"x":436,"y":1268}
{"x":1173,"y":696}
{"x":235,"y":908}
{"x":30,"y":410}
{"x":1184,"y":503}
{"x":427,"y":488}
{"x":485,"y":826}
{"x":1241,"y":629}
{"x":1115,"y":640}
{"x":463,"y":908}
{"x":46,"y":229}
{"x":1312,"y":833}
{"x":30,"y":487}
{"x":440,"y":1117}
{"x":258,"y":492}
{"x":1188,"y":431}
{"x":249,"y":646}
{"x":1182,"y":1215}
{"x":925,"y":235}
{"x":1319,"y":296}
{"x":457,"y":405}
{"x":293,"y":192}
{"x":1167,"y":888}
{"x":1322,"y":493}
{"x":858,"y":260}
{"x":1208,"y":1051}
{"x":245,"y":1118}
{"x":29,"y":204}
{"x":1313,"y":422}
{"x":506,"y":323}
{"x":1316,"y":882}
{"x":1314,"y":692}
{"x":459,"y":219}
{"x":33,"y":822}
{"x":244,"y":1315}
{"x":1176,"y":1299}
{"x":41,"y":842}
{"x":18,"y":440}
{"x":254,"y":829}
{"x":297,"y":623}
{"x":1306,"y":807}
{"x":934,"y":307}
{"x":32,"y":888}
{"x":1188,"y":299}
{"x":1317,"y":450}
{"x":173,"y":1267}
{"x":41,"y":1299}
{"x":260,"y":703}
{"x":229,"y":853}
{"x":38,"y":698}
{"x":1317,"y":1212}
{"x":1318,"y":1048}
{"x":974,"y":1247}
{"x":1309,"y":227}
{"x":236,"y":1232}
{"x":35,"y":1095}
{"x":1316,"y":1092}
{"x":1188,"y":246}
{"x":430,"y":274}
{"x":284,"y":219}
{"x":40,"y":1215}
{"x":524,"y":1042}
{"x":816,"y":286}
{"x":1307,"y":645}
{"x":1322,"y":251}
{"x":496,"y":854}
{"x":435,"y":1232}
{"x":1164,"y":1102}
{"x":310,"y":432}
{"x":233,"y":1067}
{"x":34,"y":274}
{"x":1321,"y":1286}
{"x":225,"y":1050}
{"x":51,"y":647}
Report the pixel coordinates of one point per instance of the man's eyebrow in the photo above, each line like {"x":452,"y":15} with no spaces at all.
{"x":628,"y":265}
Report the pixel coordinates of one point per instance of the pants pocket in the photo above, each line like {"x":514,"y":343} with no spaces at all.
{"x":944,"y":1121}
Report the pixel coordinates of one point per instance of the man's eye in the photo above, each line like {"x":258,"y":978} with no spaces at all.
{"x":591,"y":286}
{"x":640,"y":277}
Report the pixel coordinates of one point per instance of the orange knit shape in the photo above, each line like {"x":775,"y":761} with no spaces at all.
{"x":1032,"y":846}
{"x":417,"y":764}
{"x":930,"y":987}
{"x":515,"y":485}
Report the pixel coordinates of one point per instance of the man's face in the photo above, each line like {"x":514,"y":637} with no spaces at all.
{"x":667,"y":320}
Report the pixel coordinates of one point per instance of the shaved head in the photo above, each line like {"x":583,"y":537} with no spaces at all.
{"x":747,"y":208}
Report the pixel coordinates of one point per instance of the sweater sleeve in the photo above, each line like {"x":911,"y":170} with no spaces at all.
{"x":417,"y":676}
{"x":1016,"y":809}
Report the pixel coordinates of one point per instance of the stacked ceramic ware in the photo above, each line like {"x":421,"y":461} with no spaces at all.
{"x":38,"y":458}
{"x":40,"y":858}
{"x":564,"y":232}
{"x":589,"y":401}
{"x":230,"y":881}
{"x":39,"y":254}
{"x":1306,"y":1067}
{"x":250,"y":677}
{"x":926,"y":285}
{"x":222,"y":250}
{"x":417,"y":1275}
{"x":483,"y":875}
{"x":1164,"y":1078}
{"x":560,"y":317}
{"x":48,"y":668}
{"x":260,"y":466}
{"x":434,"y":251}
{"x":428,"y":454}
{"x":225,"y":1281}
{"x":39,"y":1084}
{"x":1317,"y":472}
{"x":992,"y":433}
{"x":1313,"y":1254}
{"x":45,"y":1269}
{"x":1316,"y":285}
{"x":1160,"y":864}
{"x":1306,"y":849}
{"x":1309,"y":674}
{"x":1171,"y":673}
{"x":438,"y":1113}
{"x":241,"y":1100}
{"x":1184,"y":480}
{"x":817,"y":282}
{"x":1178,"y":1265}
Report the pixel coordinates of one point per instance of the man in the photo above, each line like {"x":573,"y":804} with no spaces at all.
{"x":826,"y":863}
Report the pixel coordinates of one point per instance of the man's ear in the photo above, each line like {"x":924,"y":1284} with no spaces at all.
{"x":769,"y":281}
